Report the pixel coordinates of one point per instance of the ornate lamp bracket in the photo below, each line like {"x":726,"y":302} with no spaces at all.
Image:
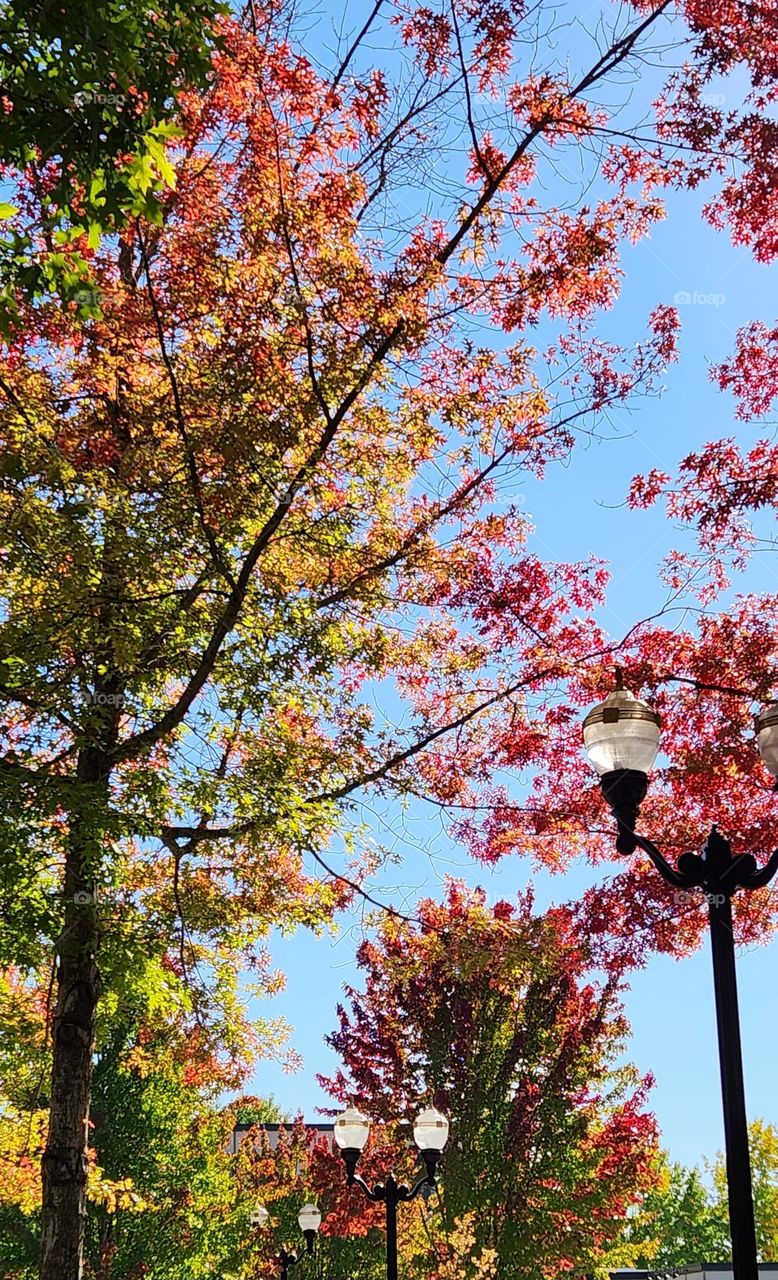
{"x":715,"y":870}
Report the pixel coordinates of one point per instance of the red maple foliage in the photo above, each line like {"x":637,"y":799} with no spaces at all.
{"x":493,"y":1015}
{"x":270,"y":470}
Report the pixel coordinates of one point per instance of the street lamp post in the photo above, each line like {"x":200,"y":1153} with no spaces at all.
{"x":621,"y":736}
{"x":430,"y":1132}
{"x":309,"y":1219}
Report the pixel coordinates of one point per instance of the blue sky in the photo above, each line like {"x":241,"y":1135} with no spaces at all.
{"x":579,"y":509}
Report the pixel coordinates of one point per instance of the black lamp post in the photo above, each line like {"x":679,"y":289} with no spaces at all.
{"x":622,"y":739}
{"x":309,"y":1219}
{"x":430,"y":1132}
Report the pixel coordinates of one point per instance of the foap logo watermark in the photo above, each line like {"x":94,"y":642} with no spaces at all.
{"x":280,"y":492}
{"x":88,"y":297}
{"x":712,"y":99}
{"x":88,"y":97}
{"x":281,"y":496}
{"x":97,"y":698}
{"x":693,"y":897}
{"x":683,"y":298}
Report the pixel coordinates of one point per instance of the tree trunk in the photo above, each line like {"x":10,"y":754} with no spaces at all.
{"x":64,"y":1164}
{"x":65,"y":1159}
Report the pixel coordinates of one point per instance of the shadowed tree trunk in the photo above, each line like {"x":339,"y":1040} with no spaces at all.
{"x":78,"y":988}
{"x":65,"y":1159}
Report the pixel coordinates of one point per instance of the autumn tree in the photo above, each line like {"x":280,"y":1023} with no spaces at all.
{"x":299,"y":1167}
{"x":683,"y":1219}
{"x":162,"y":1195}
{"x":162,"y":1199}
{"x":719,"y":489}
{"x":88,"y":102}
{"x":763,"y":1143}
{"x":491,"y":1013}
{"x":461,"y":1257}
{"x":249,"y":1109}
{"x":711,"y":665}
{"x":23,"y":1070}
{"x":274,"y":465}
{"x":676,"y":1224}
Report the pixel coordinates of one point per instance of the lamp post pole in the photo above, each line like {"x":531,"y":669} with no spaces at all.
{"x":622,"y":738}
{"x":288,"y":1260}
{"x":391,"y":1190}
{"x":390,"y":1193}
{"x":309,"y":1219}
{"x":720,"y":875}
{"x":430,"y":1133}
{"x":741,"y":1202}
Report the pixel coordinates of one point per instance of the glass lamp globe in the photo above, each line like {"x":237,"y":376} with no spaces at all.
{"x":430,"y":1130}
{"x":352,"y":1130}
{"x":260,"y":1216}
{"x":766,"y":726}
{"x":622,"y":733}
{"x":309,"y":1218}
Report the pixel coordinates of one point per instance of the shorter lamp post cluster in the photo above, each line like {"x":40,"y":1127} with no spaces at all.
{"x":309,"y":1219}
{"x":621,"y":737}
{"x":430,"y":1133}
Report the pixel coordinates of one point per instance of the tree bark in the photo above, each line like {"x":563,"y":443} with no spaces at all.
{"x":65,"y":1159}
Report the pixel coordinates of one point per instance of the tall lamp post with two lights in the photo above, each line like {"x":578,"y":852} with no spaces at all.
{"x":309,"y":1219}
{"x":430,"y":1133}
{"x":621,"y":737}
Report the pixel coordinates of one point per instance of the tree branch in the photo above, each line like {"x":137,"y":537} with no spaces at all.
{"x":191,"y":462}
{"x":174,"y":716}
